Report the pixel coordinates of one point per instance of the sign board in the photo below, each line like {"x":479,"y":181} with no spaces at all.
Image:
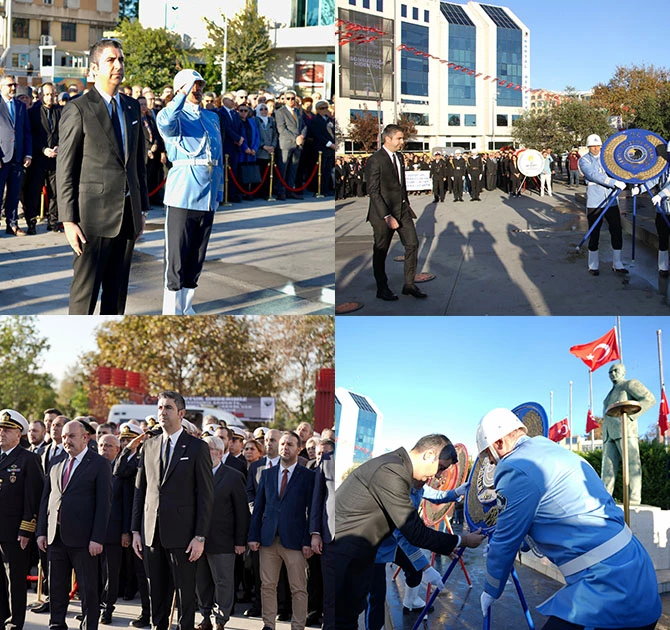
{"x":253,"y":408}
{"x":530,"y":162}
{"x":418,"y":180}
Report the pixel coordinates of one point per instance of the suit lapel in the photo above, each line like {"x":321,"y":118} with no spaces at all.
{"x":131,"y":131}
{"x":79,"y":470}
{"x":99,"y":108}
{"x":179,"y":449}
{"x":218,"y":478}
{"x":5,"y":112}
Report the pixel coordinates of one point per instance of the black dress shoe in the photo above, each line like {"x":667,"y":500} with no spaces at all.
{"x":283,"y":617}
{"x":414,"y":291}
{"x":313,"y":619}
{"x":254,"y":611}
{"x":106,"y":618}
{"x":621,"y":272}
{"x":386,"y":294}
{"x":143,"y":621}
{"x":594,"y":272}
{"x":79,"y":617}
{"x":411,"y":611}
{"x":664,"y":273}
{"x":41,"y":608}
{"x":32,"y":230}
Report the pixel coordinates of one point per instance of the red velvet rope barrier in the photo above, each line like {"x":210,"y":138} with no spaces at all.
{"x":155,"y":190}
{"x":244,"y":190}
{"x":295,"y":190}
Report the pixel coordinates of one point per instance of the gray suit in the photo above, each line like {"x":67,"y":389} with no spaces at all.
{"x":289,"y":128}
{"x":269,"y":137}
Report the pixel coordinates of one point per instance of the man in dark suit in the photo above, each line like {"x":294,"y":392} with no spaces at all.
{"x":174,"y":478}
{"x":72,"y":521}
{"x":55,"y":450}
{"x":322,"y":129}
{"x":44,"y":117}
{"x":280,"y":529}
{"x":227,"y":537}
{"x":36,"y":434}
{"x":102,"y":185}
{"x":118,"y":530}
{"x":15,"y":150}
{"x":231,"y":134}
{"x":390,"y":211}
{"x":21,"y":483}
{"x":373,"y":501}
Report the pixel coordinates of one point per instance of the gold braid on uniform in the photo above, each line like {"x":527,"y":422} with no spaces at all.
{"x":29,"y":526}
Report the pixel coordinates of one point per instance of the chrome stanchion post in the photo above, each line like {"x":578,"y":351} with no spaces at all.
{"x":318,"y":188}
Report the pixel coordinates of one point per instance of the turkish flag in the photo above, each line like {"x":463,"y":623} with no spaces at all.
{"x":559,"y":430}
{"x":590,"y":422}
{"x":663,"y":413}
{"x":598,"y":352}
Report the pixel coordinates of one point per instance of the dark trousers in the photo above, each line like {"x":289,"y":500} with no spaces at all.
{"x":663,"y":231}
{"x":613,"y":219}
{"x":104,"y":263}
{"x":554,"y":623}
{"x":170,"y":569}
{"x":215,"y":585}
{"x":37,"y":176}
{"x":475,"y":186}
{"x":264,"y":192}
{"x":314,"y":586}
{"x":457,"y":187}
{"x":186,"y":238}
{"x":11,"y":175}
{"x":290,"y":159}
{"x":383,"y":235}
{"x":62,"y":560}
{"x":13,"y":595}
{"x":353,"y":578}
{"x":438,"y":189}
{"x":110,"y":564}
{"x":327,"y":166}
{"x":328,"y":575}
{"x":142,"y":585}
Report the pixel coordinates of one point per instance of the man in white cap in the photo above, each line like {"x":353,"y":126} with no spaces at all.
{"x":553,"y":496}
{"x":193,"y":190}
{"x":457,"y":168}
{"x":21,"y":484}
{"x":599,"y":187}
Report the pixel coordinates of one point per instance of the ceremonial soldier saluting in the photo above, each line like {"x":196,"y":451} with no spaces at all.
{"x":21,"y":484}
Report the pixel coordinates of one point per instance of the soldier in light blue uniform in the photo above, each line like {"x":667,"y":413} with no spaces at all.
{"x":598,"y":188}
{"x":555,"y":497}
{"x":193,"y":191}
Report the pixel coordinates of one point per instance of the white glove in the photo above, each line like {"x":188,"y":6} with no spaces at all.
{"x":432,"y":576}
{"x":656,"y":200}
{"x":486,"y":601}
{"x":620,"y":185}
{"x":461,"y":490}
{"x":635,"y":191}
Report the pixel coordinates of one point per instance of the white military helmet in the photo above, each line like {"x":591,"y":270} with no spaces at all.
{"x":494,"y":425}
{"x":184,"y":78}
{"x":594,"y":140}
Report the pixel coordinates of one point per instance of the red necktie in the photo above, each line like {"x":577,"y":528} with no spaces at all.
{"x":68,"y":472}
{"x":284,"y":481}
{"x":269,"y":463}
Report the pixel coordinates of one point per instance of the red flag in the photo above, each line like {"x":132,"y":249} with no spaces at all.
{"x":559,"y":430}
{"x":590,"y":422}
{"x":663,"y":413}
{"x":598,"y":352}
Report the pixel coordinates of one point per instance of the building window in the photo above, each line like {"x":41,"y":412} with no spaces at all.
{"x":48,"y":1}
{"x":470,"y":120}
{"x":94,"y":34}
{"x":414,"y":69}
{"x":45,"y":27}
{"x":415,"y":13}
{"x":21,"y":28}
{"x":515,"y":117}
{"x":509,"y":65}
{"x":426,"y":16}
{"x":366,"y":4}
{"x":380,"y":5}
{"x":501,"y":120}
{"x":403,"y":10}
{"x":454,"y":120}
{"x":68,"y":31}
{"x":352,"y":3}
{"x":462,"y":51}
{"x":418,"y":119}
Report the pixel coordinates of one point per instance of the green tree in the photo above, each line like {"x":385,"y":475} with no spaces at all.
{"x":153,"y":55}
{"x":128,"y":9}
{"x":249,"y":50}
{"x":561,"y":126}
{"x":24,"y":386}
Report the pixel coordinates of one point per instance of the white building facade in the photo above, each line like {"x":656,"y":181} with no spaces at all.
{"x":470,"y":103}
{"x":301,"y":32}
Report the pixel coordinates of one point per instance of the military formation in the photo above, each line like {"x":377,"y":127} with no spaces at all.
{"x":194,"y":518}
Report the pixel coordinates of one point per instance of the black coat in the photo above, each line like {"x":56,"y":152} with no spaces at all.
{"x":45,"y":136}
{"x":230,"y":516}
{"x":388,"y":194}
{"x":21,"y":482}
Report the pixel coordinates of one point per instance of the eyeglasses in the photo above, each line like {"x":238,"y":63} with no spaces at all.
{"x":11,"y":84}
{"x":289,"y":98}
{"x":243,"y":111}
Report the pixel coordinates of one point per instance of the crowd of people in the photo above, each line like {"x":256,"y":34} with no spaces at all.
{"x":254,"y":126}
{"x":458,"y":171}
{"x":193,"y":518}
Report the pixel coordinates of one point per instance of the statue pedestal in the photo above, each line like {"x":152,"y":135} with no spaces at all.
{"x":650,"y":524}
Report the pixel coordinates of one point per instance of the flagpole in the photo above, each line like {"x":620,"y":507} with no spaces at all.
{"x":551,"y":408}
{"x":618,"y":329}
{"x":591,"y":406}
{"x":570,"y":419}
{"x":660,"y":375}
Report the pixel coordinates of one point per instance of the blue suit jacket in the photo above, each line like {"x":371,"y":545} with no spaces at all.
{"x":287,"y":517}
{"x":16,"y":141}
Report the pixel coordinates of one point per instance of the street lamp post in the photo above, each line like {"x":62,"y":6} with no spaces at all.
{"x":224,"y":62}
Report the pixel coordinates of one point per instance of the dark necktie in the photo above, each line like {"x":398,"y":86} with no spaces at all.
{"x":284,"y":481}
{"x":269,"y":463}
{"x":68,"y":472}
{"x":397,"y":167}
{"x":166,"y":462}
{"x":3,"y":457}
{"x":50,"y":118}
{"x":116,"y":123}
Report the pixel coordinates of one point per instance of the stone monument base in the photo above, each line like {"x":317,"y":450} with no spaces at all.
{"x":650,"y":524}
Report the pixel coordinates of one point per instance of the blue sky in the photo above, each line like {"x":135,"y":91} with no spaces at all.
{"x":429,"y":374}
{"x":580,"y":43}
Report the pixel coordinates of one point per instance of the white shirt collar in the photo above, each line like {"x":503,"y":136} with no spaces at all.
{"x":108,"y":99}
{"x":174,"y":437}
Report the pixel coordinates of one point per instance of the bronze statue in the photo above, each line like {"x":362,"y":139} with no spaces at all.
{"x":623,"y":390}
